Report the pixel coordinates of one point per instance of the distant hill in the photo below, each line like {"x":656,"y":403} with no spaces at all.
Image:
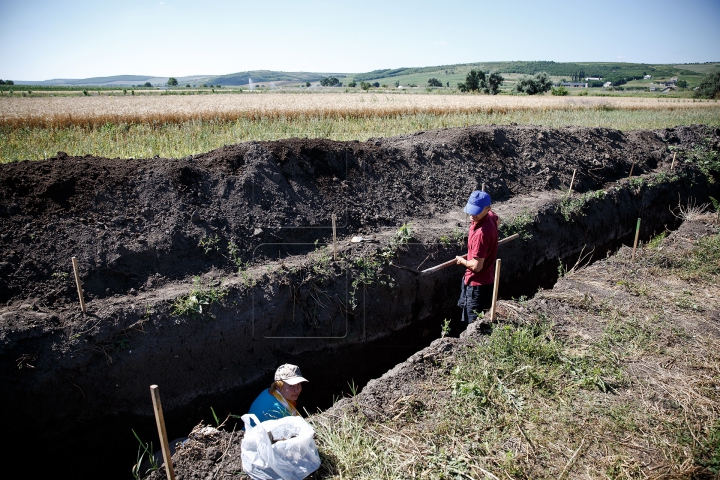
{"x":112,"y":81}
{"x":259,"y":76}
{"x":590,"y":69}
{"x":232,"y":79}
{"x":446,"y":73}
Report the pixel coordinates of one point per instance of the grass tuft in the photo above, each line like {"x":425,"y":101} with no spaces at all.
{"x":198,"y":300}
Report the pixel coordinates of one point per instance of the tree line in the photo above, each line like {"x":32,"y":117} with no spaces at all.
{"x":478,"y":81}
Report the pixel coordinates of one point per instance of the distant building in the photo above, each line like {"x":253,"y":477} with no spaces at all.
{"x":598,"y":79}
{"x":647,"y":77}
{"x":607,"y":84}
{"x":574,"y":84}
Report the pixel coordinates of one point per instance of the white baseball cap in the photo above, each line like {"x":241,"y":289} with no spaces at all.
{"x":289,"y":374}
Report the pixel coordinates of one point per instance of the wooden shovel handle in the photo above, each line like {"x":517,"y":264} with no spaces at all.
{"x":454,"y":261}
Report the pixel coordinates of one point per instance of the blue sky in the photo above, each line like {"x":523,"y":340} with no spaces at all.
{"x":43,"y":39}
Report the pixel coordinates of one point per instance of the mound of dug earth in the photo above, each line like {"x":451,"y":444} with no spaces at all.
{"x":136,"y":224}
{"x":612,"y":373}
{"x":203,"y":274}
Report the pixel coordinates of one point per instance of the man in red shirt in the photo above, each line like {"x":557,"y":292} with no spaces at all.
{"x":477,"y":283}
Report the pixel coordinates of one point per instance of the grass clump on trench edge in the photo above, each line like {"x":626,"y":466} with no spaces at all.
{"x":607,"y":375}
{"x":175,"y":140}
{"x":197,"y":302}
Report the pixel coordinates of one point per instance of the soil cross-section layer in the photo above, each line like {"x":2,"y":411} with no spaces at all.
{"x":202,"y":274}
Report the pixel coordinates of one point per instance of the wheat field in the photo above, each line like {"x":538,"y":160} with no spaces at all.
{"x":33,"y":128}
{"x":99,"y":110}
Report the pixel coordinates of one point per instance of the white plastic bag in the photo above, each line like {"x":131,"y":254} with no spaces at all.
{"x":293,"y":458}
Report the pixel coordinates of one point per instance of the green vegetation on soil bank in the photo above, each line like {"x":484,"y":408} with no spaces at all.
{"x":194,"y":137}
{"x":609,"y":375}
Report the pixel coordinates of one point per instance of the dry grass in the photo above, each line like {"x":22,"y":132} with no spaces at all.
{"x":615,"y":373}
{"x":61,"y":112}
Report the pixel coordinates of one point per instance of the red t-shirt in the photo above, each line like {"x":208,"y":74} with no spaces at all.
{"x":483,"y":243}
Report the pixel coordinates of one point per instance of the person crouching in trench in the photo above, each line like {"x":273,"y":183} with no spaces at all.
{"x":280,"y":400}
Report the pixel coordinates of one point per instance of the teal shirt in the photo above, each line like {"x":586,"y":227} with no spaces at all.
{"x":267,"y":407}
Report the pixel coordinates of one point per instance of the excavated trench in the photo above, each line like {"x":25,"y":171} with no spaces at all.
{"x":77,"y":384}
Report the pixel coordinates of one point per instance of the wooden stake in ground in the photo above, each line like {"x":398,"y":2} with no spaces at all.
{"x":160,"y":420}
{"x":495,"y":290}
{"x":672,"y":165}
{"x":632,"y":168}
{"x":637,"y":235}
{"x":77,"y":282}
{"x":482,"y":188}
{"x":572,"y":181}
{"x":334,"y":238}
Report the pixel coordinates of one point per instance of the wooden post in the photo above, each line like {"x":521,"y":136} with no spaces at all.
{"x":571,"y":182}
{"x":495,"y":290}
{"x":631,"y":168}
{"x":672,"y":165}
{"x":79,"y":286}
{"x":160,"y":420}
{"x":637,"y":235}
{"x":334,"y":238}
{"x":483,"y":187}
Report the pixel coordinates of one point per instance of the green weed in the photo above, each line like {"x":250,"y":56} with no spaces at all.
{"x":637,"y":182}
{"x":702,"y":262}
{"x":148,"y":312}
{"x":242,"y":266}
{"x":353,"y":387}
{"x":708,"y":453}
{"x":662,"y":177}
{"x":200,"y":296}
{"x":369,"y":268}
{"x":561,"y":270}
{"x":402,"y":236}
{"x":369,"y":273}
{"x":322,"y":262}
{"x":634,"y":288}
{"x":630,"y":333}
{"x":656,"y":241}
{"x":570,"y":206}
{"x":122,"y":344}
{"x":518,"y":224}
{"x":209,"y":244}
{"x":235,"y":257}
{"x":445,"y":330}
{"x":704,"y":158}
{"x":459,"y":235}
{"x":686,"y":302}
{"x":143,"y":450}
{"x":215,"y":417}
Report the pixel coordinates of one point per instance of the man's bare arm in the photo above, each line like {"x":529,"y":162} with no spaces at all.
{"x":475,"y":264}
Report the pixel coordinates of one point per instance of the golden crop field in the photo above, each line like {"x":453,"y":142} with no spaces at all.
{"x":100,"y":110}
{"x":34,"y":128}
